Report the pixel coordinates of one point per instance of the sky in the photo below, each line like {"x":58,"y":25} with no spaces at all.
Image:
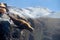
{"x":53,"y":5}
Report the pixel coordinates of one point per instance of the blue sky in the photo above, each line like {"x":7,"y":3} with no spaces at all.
{"x":51,"y":4}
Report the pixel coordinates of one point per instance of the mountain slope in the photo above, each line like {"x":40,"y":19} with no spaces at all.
{"x":45,"y":22}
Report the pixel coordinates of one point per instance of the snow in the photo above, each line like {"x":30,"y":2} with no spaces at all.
{"x":32,"y":12}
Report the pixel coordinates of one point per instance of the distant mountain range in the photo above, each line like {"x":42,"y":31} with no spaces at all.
{"x":34,"y":12}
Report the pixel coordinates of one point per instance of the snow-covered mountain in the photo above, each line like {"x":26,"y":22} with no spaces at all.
{"x":34,"y":12}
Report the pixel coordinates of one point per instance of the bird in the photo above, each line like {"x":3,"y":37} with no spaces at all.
{"x":21,"y":23}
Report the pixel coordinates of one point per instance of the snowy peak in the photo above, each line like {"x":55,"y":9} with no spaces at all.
{"x":31,"y":12}
{"x":37,"y":11}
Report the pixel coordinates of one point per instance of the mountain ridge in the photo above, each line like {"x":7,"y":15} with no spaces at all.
{"x":31,"y":12}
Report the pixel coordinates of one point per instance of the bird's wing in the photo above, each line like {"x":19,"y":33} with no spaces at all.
{"x":21,"y":21}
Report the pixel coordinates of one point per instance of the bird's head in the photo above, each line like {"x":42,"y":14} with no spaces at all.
{"x":2,"y":8}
